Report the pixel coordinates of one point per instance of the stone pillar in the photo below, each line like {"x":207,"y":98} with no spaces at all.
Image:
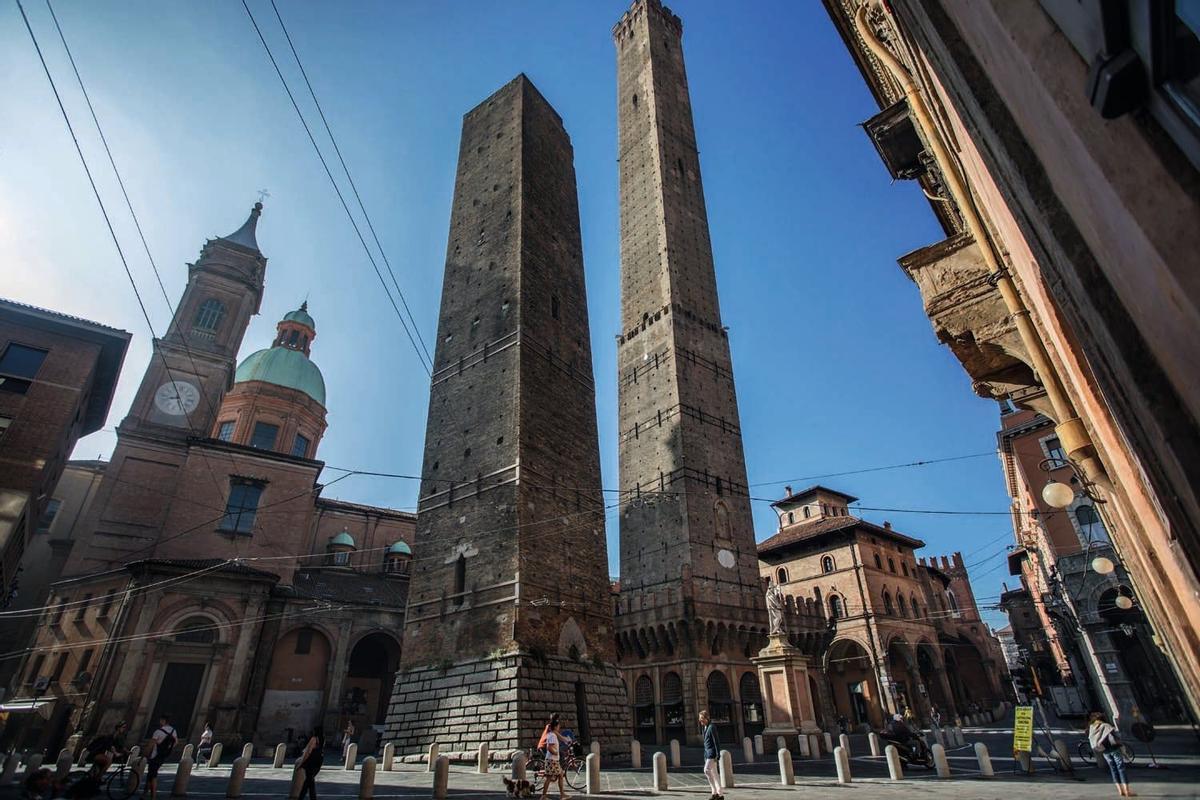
{"x":297,"y":783}
{"x":594,"y":748}
{"x":482,"y":759}
{"x":351,"y":756}
{"x":280,"y":755}
{"x":518,"y":767}
{"x":660,"y":771}
{"x":841,"y":760}
{"x":136,"y":766}
{"x":214,"y":757}
{"x":189,"y":751}
{"x":62,"y":767}
{"x":441,"y":777}
{"x":676,"y":758}
{"x":828,"y":741}
{"x":759,"y":746}
{"x":389,"y":756}
{"x":635,"y":754}
{"x":985,"y":761}
{"x":814,"y":745}
{"x":236,"y":777}
{"x":940,"y":762}
{"x":134,"y":752}
{"x":433,"y":757}
{"x":787,"y":773}
{"x":787,"y":702}
{"x":895,"y":771}
{"x":726,"y":770}
{"x":802,"y":746}
{"x":748,"y":750}
{"x":593,"y":773}
{"x":183,"y":776}
{"x":366,"y":780}
{"x":844,"y":743}
{"x":780,"y":743}
{"x":248,"y":751}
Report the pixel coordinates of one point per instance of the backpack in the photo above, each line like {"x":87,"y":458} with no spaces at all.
{"x":166,"y":745}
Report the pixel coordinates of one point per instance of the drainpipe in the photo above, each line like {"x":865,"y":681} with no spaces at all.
{"x":1070,"y":428}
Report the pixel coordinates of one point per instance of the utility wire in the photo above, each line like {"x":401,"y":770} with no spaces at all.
{"x":876,"y":469}
{"x":362,"y":207}
{"x":345,"y":206}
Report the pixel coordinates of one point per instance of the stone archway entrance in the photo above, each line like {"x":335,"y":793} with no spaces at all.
{"x":855,"y":687}
{"x":294,"y":699}
{"x":906,"y":678}
{"x":932,"y":679}
{"x":368,"y":687}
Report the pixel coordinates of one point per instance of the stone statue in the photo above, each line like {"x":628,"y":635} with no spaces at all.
{"x":775,"y":611}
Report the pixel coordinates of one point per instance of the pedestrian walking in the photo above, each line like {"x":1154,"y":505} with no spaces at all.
{"x":935,"y":717}
{"x":1102,"y":736}
{"x":712,"y":752}
{"x":312,"y":758}
{"x":204,"y":749}
{"x":347,"y":737}
{"x":554,"y":771}
{"x":160,"y":745}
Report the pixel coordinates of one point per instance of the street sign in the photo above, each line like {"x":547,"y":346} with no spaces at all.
{"x":1023,"y":730}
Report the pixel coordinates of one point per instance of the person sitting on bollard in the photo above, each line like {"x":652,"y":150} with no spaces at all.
{"x":204,"y":749}
{"x":712,"y":752}
{"x":312,"y":758}
{"x":554,"y":771}
{"x":1103,"y":738}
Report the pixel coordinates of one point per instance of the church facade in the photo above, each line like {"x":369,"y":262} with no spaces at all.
{"x":209,"y":579}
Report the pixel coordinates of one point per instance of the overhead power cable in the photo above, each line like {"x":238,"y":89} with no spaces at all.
{"x":923,"y":463}
{"x":354,"y":187}
{"x":427,"y":366}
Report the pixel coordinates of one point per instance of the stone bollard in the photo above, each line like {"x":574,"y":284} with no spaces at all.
{"x":802,"y":745}
{"x":635,"y":754}
{"x":1025,"y":761}
{"x":189,"y":751}
{"x":726,"y":770}
{"x":787,"y":773}
{"x":280,"y":755}
{"x":351,"y":756}
{"x":433,"y":756}
{"x":1064,"y":755}
{"x":134,"y":752}
{"x":137,"y":766}
{"x":940,"y":762}
{"x":62,"y":767}
{"x":441,"y":777}
{"x":9,"y":773}
{"x":389,"y":756}
{"x":985,"y":761}
{"x":593,"y":773}
{"x":517,"y":771}
{"x":297,"y":783}
{"x":248,"y":750}
{"x":873,"y":741}
{"x":895,"y":770}
{"x":676,"y":759}
{"x":759,"y":746}
{"x":214,"y":757}
{"x":660,"y":771}
{"x":814,"y":745}
{"x":748,"y":750}
{"x":939,"y":736}
{"x":841,"y":758}
{"x":594,"y":748}
{"x":482,"y":759}
{"x":844,"y":743}
{"x":237,"y":776}
{"x":828,"y":741}
{"x":366,"y":780}
{"x":780,"y":743}
{"x":183,"y":776}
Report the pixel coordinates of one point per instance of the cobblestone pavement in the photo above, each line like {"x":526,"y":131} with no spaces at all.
{"x":1180,"y":753}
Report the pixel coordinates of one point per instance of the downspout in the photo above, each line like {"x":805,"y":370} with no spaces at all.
{"x":1070,"y":428}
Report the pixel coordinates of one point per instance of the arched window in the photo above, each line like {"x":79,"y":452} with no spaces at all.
{"x":835,"y":606}
{"x":878,"y":562}
{"x":807,"y":512}
{"x":791,"y":518}
{"x":781,"y":575}
{"x":902,"y":605}
{"x":952,"y":600}
{"x":724,"y":526}
{"x":196,"y":630}
{"x":460,"y":575}
{"x":916,"y":609}
{"x":888,"y":608}
{"x":827,"y":564}
{"x":209,"y":315}
{"x":891,"y":565}
{"x":904,"y":567}
{"x":643,"y":705}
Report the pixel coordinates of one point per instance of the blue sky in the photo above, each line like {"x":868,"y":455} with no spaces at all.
{"x":837,"y":367}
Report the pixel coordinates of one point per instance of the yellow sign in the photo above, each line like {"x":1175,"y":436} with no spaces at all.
{"x":1023,"y":730}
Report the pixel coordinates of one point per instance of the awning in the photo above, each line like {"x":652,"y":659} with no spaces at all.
{"x":40,"y":707}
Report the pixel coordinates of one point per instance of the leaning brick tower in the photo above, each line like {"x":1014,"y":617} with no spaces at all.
{"x":509,"y":614}
{"x":691,"y":606}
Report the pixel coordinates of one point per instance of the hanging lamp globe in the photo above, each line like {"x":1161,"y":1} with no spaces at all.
{"x":1123,"y":602}
{"x":1102,"y":565}
{"x":1058,"y":495}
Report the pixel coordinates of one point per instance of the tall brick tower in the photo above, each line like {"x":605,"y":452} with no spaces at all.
{"x":692,"y":610}
{"x":509,"y":608}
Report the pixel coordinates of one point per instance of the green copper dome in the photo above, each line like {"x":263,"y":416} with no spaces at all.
{"x":300,"y":315}
{"x":283,"y":367}
{"x":400,"y":548}
{"x":343,"y":538}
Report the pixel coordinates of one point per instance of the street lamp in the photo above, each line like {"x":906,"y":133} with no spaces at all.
{"x":1060,"y":495}
{"x":1102,"y":565}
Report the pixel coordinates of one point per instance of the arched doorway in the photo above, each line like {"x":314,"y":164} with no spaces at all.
{"x":672,"y":703}
{"x":905,"y":677}
{"x":855,"y":686}
{"x":931,"y":678}
{"x":753,"y":719}
{"x":186,"y":664}
{"x":368,"y":687}
{"x":643,"y":711}
{"x":294,"y":700}
{"x":720,"y":705}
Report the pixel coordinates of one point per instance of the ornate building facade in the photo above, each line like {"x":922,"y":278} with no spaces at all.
{"x":208,"y":578}
{"x":691,"y":608}
{"x":904,"y":631}
{"x":1059,"y":144}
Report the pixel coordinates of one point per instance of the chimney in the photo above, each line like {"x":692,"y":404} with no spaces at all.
{"x":787,"y":491}
{"x":887,"y":526}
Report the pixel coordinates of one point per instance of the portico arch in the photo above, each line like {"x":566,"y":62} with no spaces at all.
{"x":854,"y":684}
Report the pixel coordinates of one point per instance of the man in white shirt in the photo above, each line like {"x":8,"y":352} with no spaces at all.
{"x":161,"y":743}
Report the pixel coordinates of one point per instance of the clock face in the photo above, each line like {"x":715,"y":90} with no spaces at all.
{"x":726,"y":559}
{"x":177,"y":398}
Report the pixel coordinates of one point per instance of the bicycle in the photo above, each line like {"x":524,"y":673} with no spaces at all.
{"x":1088,"y":756}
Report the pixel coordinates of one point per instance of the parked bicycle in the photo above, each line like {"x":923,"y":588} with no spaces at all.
{"x":1088,"y":756}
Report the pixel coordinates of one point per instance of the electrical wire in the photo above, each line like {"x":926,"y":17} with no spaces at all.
{"x":865,"y":470}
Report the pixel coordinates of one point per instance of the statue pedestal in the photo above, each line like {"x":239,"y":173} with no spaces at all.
{"x":783,"y":675}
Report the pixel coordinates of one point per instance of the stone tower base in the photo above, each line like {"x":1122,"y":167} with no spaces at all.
{"x":505,"y":702}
